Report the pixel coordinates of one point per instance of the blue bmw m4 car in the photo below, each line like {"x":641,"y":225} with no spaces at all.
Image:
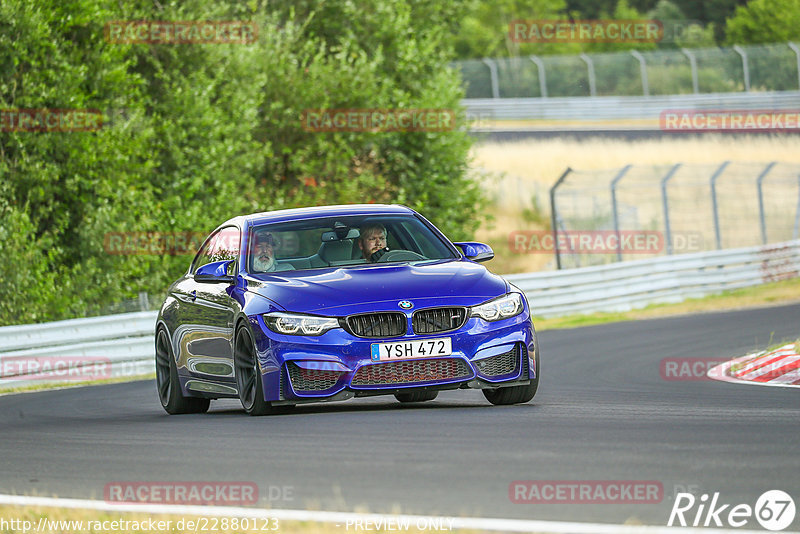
{"x":329,"y":303}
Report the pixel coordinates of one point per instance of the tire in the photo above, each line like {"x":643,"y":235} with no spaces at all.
{"x":167,"y":383}
{"x":416,"y":396}
{"x":248,"y":376}
{"x":516,"y":394}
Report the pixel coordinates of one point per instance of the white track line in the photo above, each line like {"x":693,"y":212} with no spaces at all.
{"x":341,"y":518}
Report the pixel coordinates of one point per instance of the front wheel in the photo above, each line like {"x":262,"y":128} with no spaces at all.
{"x":168,"y":384}
{"x":248,"y":376}
{"x":516,"y":394}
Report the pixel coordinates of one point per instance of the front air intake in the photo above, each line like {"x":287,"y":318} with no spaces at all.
{"x":437,"y":320}
{"x":377,"y":325}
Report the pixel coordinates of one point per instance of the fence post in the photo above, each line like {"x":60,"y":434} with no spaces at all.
{"x":745,"y":68}
{"x":144,"y":301}
{"x":554,"y":214}
{"x":714,"y":177}
{"x":759,"y":182}
{"x":592,"y":79}
{"x":796,"y":51}
{"x":616,"y":179}
{"x":643,"y":70}
{"x":693,"y":64}
{"x":542,"y":75}
{"x":667,"y":228}
{"x":493,"y":73}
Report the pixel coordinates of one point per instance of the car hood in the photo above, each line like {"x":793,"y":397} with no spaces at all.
{"x":345,"y":291}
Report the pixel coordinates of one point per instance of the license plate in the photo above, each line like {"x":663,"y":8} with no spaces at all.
{"x":385,"y":352}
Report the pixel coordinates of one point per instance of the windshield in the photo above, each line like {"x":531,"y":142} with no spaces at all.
{"x":342,"y":241}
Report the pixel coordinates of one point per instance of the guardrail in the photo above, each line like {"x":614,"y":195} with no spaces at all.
{"x":122,"y":345}
{"x":77,"y":349}
{"x":628,"y":285}
{"x":624,"y":107}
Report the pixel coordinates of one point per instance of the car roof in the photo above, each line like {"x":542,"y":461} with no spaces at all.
{"x":318,"y":211}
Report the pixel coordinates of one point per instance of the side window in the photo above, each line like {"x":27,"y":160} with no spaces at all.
{"x":223,"y":245}
{"x":391,"y":238}
{"x":420,"y":241}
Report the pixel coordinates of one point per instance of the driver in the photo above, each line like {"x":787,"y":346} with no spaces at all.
{"x":372,"y":241}
{"x":264,"y":253}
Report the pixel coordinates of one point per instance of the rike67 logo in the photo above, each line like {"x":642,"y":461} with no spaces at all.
{"x":774,"y":510}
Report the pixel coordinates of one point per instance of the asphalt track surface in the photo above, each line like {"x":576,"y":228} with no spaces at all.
{"x":603,"y":412}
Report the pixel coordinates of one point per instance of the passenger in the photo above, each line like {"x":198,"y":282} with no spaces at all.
{"x":264,"y":253}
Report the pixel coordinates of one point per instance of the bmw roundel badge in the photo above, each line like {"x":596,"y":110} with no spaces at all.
{"x":406,"y":304}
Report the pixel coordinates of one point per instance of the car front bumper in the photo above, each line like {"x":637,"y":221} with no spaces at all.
{"x":337,"y":365}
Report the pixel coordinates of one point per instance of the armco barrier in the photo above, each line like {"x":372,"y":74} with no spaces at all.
{"x":627,"y":285}
{"x":60,"y":333}
{"x":127,"y":340}
{"x":624,"y":107}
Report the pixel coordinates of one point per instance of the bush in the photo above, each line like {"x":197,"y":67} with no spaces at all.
{"x":196,"y":134}
{"x":764,"y":21}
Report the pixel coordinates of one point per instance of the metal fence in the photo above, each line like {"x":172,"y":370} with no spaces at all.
{"x":686,"y":208}
{"x":658,"y":72}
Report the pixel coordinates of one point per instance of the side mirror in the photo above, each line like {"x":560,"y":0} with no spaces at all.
{"x":474,"y":251}
{"x":216,"y":271}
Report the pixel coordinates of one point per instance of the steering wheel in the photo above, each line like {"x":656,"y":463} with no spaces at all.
{"x":400,"y":255}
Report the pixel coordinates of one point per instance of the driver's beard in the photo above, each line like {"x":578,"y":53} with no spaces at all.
{"x":264,"y":265}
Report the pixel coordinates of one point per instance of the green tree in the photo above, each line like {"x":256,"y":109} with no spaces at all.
{"x":764,"y":21}
{"x":484,"y":27}
{"x":196,"y":134}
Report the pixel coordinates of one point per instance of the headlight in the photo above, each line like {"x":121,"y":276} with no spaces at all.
{"x":299,"y":325}
{"x":499,"y":308}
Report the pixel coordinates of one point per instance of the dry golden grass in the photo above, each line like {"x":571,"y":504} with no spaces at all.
{"x":518,"y":171}
{"x":506,"y":260}
{"x":543,"y":161}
